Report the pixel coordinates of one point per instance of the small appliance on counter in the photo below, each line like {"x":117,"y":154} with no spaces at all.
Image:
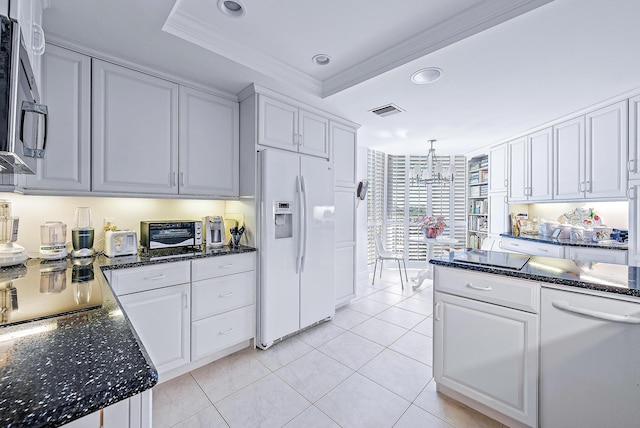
{"x":83,"y":234}
{"x":120,"y":243}
{"x":170,"y":234}
{"x":53,"y":238}
{"x":10,"y":252}
{"x":214,"y":231}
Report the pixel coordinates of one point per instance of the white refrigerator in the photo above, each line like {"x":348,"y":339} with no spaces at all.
{"x":296,"y":265}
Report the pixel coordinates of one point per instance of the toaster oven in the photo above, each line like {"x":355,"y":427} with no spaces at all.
{"x":170,"y":234}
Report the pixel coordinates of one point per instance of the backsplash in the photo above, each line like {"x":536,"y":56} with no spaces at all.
{"x":127,"y":212}
{"x":613,"y":214}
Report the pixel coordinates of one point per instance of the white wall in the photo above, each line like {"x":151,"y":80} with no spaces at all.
{"x":128,"y":212}
{"x":362,"y":272}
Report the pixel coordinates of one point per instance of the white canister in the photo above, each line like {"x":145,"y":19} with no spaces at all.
{"x":565,"y":231}
{"x":600,"y":233}
{"x":577,"y":233}
{"x":548,"y":227}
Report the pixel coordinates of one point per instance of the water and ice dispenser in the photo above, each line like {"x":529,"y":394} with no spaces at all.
{"x":283,"y":218}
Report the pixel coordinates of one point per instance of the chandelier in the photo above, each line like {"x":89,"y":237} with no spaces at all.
{"x":434,"y":173}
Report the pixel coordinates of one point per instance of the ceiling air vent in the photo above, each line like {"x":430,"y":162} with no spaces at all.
{"x":387,"y":110}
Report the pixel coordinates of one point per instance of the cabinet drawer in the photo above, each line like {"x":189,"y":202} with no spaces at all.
{"x":215,"y":295}
{"x":533,"y":248}
{"x":221,"y":331}
{"x":501,"y":290}
{"x":223,"y":265}
{"x":601,"y":255}
{"x":133,"y":280}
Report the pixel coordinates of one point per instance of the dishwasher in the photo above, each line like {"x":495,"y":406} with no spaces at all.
{"x":589,"y":361}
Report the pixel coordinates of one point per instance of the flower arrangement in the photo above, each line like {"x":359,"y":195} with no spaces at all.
{"x":431,"y":226}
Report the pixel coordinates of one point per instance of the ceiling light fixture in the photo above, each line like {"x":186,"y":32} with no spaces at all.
{"x":426,"y":75}
{"x":321,"y":59}
{"x":231,"y":8}
{"x":433,"y":172}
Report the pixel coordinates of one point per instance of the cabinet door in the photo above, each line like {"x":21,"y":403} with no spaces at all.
{"x":634,"y":223}
{"x":634,"y":138}
{"x":598,"y":255}
{"x":540,"y":165}
{"x":345,"y":273}
{"x":161,"y":319}
{"x":498,"y":168}
{"x":313,"y":134}
{"x":66,"y":90}
{"x":135,"y":131}
{"x":209,"y":145}
{"x":344,"y":146}
{"x":589,"y":366}
{"x":607,"y":145}
{"x":345,"y":216}
{"x":569,"y":159}
{"x":277,"y":124}
{"x":498,"y":214}
{"x":488,"y":353}
{"x":518,"y":170}
{"x":114,"y":416}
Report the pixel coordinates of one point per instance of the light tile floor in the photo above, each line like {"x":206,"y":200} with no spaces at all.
{"x":368,"y":367}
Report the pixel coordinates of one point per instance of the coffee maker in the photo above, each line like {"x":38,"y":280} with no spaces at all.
{"x":214,"y":231}
{"x":82,"y":235}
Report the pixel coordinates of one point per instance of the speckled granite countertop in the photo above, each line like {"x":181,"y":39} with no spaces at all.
{"x":58,"y":369}
{"x":619,"y":279}
{"x":568,"y":242}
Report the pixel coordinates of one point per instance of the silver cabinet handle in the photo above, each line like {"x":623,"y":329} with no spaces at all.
{"x":226,"y":331}
{"x":506,"y":183}
{"x":631,"y":194}
{"x":582,"y":187}
{"x":226,"y":266}
{"x":589,"y":189}
{"x":182,"y":178}
{"x":300,"y":140}
{"x":567,"y":307}
{"x":544,"y":250}
{"x":632,"y":168}
{"x":154,"y":278}
{"x":477,"y":287}
{"x":436,"y":311}
{"x":230,"y":293}
{"x":186,"y":300}
{"x":173,"y":179}
{"x":515,"y":245}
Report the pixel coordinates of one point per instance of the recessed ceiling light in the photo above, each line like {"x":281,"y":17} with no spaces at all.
{"x":231,"y":8}
{"x":321,"y":59}
{"x":426,"y":75}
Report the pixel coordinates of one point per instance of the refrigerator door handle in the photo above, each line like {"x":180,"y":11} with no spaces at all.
{"x":304,"y":219}
{"x":299,"y":255}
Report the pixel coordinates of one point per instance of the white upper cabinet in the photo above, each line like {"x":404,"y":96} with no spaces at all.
{"x":530,"y":163}
{"x":313,"y":134}
{"x":569,"y":159}
{"x":66,"y":90}
{"x":498,"y":168}
{"x":286,"y":127}
{"x":634,"y":138}
{"x":591,"y":155}
{"x":209,"y":144}
{"x":607,"y":152}
{"x":135,"y":131}
{"x":540,"y":165}
{"x":344,"y":143}
{"x":28,"y":13}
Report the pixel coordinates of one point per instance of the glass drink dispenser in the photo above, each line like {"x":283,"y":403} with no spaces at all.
{"x":283,"y":218}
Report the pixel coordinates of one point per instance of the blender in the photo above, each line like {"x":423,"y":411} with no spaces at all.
{"x":53,"y":236}
{"x":10,"y":252}
{"x":82,"y":235}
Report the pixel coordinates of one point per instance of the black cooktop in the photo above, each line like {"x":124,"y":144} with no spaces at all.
{"x":42,"y":289}
{"x":492,"y":258}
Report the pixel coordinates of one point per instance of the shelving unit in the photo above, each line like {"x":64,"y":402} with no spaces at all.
{"x":477,"y":201}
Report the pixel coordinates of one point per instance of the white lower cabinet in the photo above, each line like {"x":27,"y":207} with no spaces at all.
{"x":589,"y":361}
{"x":596,"y":255}
{"x":223,"y":303}
{"x":485,"y":352}
{"x":345,"y":282}
{"x":134,"y":412}
{"x":161,"y":319}
{"x":532,"y":248}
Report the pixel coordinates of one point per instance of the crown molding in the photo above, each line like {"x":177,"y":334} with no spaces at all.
{"x":202,"y":34}
{"x":478,"y":18}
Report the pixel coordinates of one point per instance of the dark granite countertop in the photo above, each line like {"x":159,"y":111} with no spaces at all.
{"x":58,"y":369}
{"x":619,"y":279}
{"x":568,"y":242}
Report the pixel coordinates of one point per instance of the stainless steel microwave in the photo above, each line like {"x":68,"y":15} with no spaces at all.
{"x":23,"y":119}
{"x":170,"y":234}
